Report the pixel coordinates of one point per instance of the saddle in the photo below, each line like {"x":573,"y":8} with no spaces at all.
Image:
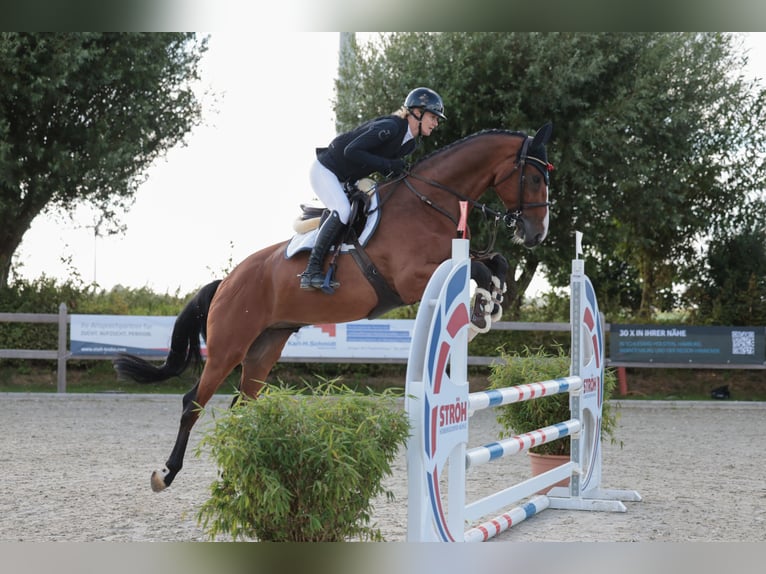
{"x":360,"y":196}
{"x":363,"y":220}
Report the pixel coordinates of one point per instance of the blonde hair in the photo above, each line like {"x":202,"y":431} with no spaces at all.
{"x":402,"y":112}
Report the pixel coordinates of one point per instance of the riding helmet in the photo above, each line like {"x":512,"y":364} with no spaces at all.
{"x":427,"y":99}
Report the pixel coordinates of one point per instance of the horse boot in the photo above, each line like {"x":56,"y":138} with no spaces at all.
{"x":497,"y":299}
{"x":313,"y":276}
{"x":481,"y":310}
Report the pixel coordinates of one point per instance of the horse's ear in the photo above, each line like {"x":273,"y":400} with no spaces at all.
{"x":543,"y":135}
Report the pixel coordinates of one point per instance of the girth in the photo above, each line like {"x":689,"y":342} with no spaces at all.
{"x":388,"y":299}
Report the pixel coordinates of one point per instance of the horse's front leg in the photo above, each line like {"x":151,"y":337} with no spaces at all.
{"x":498,"y":266}
{"x":489,"y":274}
{"x":482,"y":300}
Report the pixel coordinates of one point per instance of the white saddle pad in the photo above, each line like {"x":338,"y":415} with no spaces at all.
{"x":305,"y":241}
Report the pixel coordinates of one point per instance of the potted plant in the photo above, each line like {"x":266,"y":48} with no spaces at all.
{"x":519,"y":418}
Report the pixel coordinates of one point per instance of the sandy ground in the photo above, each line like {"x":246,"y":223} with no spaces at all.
{"x":77,"y":467}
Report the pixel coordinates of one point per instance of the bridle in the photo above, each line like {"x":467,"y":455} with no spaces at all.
{"x":511,"y":216}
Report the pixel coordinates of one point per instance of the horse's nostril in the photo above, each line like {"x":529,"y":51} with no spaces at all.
{"x":534,"y":241}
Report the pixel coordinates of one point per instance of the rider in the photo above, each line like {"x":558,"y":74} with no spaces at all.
{"x":377,"y":145}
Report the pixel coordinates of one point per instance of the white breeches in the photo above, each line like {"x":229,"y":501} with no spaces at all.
{"x":329,"y":190}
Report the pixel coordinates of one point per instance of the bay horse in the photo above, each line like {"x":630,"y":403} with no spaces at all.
{"x":247,"y":318}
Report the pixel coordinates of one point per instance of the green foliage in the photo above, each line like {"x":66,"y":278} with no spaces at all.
{"x":82,"y":117}
{"x":519,"y":418}
{"x":405,"y":312}
{"x":132,"y":301}
{"x":302,"y":468}
{"x":551,"y":307}
{"x":44,"y":295}
{"x":495,"y":342}
{"x":730,"y":288}
{"x":41,"y":295}
{"x":658,"y":141}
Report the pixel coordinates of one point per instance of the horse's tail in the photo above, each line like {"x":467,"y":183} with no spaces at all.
{"x":184,"y":344}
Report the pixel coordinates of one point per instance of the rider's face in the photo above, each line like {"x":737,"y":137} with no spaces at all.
{"x":430,"y":123}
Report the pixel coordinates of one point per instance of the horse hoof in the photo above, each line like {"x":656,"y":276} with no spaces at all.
{"x":158,"y":480}
{"x":479,"y":322}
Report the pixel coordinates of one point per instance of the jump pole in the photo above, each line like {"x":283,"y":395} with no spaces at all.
{"x":439,"y":406}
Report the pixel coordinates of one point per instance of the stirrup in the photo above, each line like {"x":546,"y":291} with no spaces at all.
{"x":318,"y":281}
{"x":311,"y":280}
{"x":329,"y":284}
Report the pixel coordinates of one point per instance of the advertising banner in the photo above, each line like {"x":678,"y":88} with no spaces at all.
{"x":686,"y":344}
{"x":365,"y":339}
{"x":109,"y":334}
{"x":93,"y":335}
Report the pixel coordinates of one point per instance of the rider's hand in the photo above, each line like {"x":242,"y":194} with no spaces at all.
{"x":396,"y":167}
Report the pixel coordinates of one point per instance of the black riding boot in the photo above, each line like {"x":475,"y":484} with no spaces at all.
{"x":313,"y":276}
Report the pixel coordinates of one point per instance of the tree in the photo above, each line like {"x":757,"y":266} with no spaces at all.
{"x":730,"y":286}
{"x":680,"y":153}
{"x":82,"y":116}
{"x":657,"y":139}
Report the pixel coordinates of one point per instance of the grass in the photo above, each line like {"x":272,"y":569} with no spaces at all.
{"x":99,"y":377}
{"x":89,"y":377}
{"x":695,"y":384}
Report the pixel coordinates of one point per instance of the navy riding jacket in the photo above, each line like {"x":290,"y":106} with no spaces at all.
{"x":366,"y":149}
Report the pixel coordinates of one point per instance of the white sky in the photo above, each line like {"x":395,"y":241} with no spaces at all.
{"x":234,"y":189}
{"x":237,"y":186}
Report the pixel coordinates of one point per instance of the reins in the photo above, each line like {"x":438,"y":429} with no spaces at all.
{"x":510,"y":217}
{"x":425,"y":199}
{"x":487,"y":211}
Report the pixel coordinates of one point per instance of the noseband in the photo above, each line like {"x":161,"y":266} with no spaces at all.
{"x":512,"y":216}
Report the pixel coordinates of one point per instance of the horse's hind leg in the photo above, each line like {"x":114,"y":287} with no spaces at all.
{"x":258,"y":361}
{"x":162,"y":478}
{"x":261,"y":358}
{"x":193,"y":401}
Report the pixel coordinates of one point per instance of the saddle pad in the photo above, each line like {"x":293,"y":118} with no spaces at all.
{"x":305,"y":241}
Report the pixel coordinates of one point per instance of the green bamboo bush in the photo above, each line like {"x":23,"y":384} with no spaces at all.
{"x":300,"y":467}
{"x":530,"y":366}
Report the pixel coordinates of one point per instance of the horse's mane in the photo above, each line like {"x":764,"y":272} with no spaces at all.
{"x":461,"y":141}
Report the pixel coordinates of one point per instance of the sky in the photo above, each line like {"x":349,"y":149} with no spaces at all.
{"x":238,"y":184}
{"x":235,"y":188}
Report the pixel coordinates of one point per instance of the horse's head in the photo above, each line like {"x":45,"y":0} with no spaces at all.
{"x":524,"y":191}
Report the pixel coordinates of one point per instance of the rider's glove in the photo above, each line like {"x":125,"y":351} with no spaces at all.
{"x":396,"y":167}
